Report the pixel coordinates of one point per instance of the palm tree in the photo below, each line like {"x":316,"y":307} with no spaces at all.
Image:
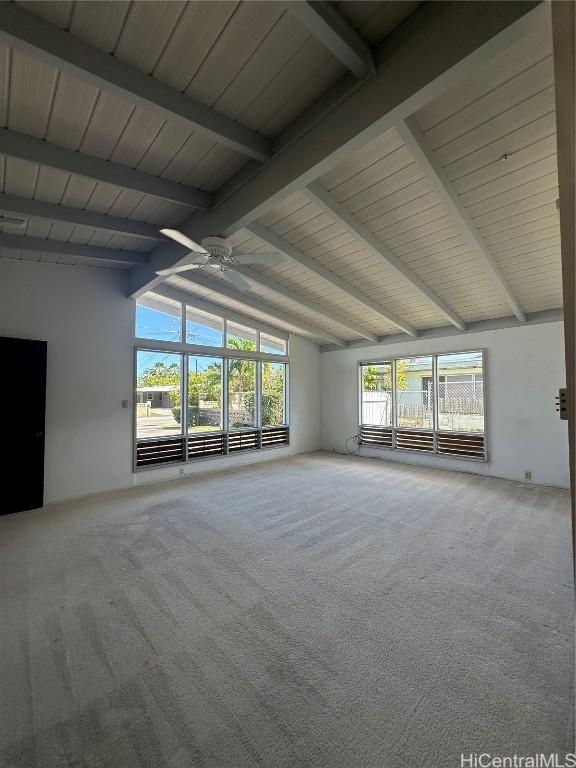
{"x":242,"y":373}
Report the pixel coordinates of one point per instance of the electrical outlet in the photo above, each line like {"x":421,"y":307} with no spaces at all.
{"x":124,"y":403}
{"x":181,"y":470}
{"x":527,"y":475}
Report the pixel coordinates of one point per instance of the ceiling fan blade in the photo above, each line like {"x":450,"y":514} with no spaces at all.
{"x":181,"y":238}
{"x":192,"y":261}
{"x":235,"y":279}
{"x":265,"y":259}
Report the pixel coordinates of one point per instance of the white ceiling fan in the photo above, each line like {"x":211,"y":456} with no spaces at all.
{"x":215,"y":252}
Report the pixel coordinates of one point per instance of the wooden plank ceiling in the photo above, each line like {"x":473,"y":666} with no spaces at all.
{"x":494,"y":137}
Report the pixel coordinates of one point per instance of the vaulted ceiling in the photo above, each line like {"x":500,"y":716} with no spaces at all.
{"x":401,"y":202}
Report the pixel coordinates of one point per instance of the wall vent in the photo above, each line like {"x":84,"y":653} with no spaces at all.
{"x":458,"y":444}
{"x":415,"y":440}
{"x":379,"y":437}
{"x":274,"y":436}
{"x":166,"y":450}
{"x":206,"y":444}
{"x":243,"y":441}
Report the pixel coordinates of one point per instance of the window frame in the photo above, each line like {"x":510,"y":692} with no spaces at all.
{"x":434,"y":429}
{"x":183,"y":392}
{"x":389,"y":362}
{"x":157,"y":306}
{"x":433,"y":377}
{"x":257,"y":396}
{"x":187,"y":351}
{"x":223,"y":379}
{"x":286,"y":398}
{"x":232,"y":318}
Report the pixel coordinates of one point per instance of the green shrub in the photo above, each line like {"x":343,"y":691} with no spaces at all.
{"x":193,"y":415}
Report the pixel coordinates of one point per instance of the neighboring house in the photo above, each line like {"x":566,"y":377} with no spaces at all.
{"x":462,"y":380}
{"x":157,"y":397}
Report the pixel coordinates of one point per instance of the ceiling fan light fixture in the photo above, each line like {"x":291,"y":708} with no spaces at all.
{"x":217,"y":247}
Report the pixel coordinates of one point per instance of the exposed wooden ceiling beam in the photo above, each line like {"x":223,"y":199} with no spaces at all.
{"x":331,"y":29}
{"x":416,"y":62}
{"x":34,"y":150}
{"x":295,"y":255}
{"x":429,"y":163}
{"x":198,"y":302}
{"x":360,"y":232}
{"x":449,"y":332}
{"x":268,"y":309}
{"x":40,"y":245}
{"x":38,"y":209}
{"x":39,"y":39}
{"x":286,"y":293}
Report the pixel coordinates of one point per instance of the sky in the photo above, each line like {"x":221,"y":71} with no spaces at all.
{"x":153,"y":324}
{"x":163,"y":326}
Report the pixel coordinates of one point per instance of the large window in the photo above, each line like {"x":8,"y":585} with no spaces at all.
{"x":205,"y":385}
{"x":432,"y":403}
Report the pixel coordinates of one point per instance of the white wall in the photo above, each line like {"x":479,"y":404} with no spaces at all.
{"x":525,"y":368}
{"x":88,"y":322}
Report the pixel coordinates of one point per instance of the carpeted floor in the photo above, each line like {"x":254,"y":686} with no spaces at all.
{"x":317,"y":611}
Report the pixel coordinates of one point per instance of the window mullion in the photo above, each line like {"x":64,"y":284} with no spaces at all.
{"x":394,"y":398}
{"x":361,"y":396}
{"x":258,"y":394}
{"x":184,"y":403}
{"x":225,"y":399}
{"x":435,"y":389}
{"x":286,"y":397}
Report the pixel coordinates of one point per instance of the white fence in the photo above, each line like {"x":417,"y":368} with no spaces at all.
{"x":376,"y":408}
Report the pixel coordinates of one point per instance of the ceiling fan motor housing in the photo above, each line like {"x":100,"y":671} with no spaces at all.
{"x":217,"y":247}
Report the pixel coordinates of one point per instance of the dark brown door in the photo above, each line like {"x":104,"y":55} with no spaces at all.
{"x":22,"y":409}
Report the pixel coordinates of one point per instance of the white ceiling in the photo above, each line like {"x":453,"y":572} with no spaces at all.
{"x":257,"y":64}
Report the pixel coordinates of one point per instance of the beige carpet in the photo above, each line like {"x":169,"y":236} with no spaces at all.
{"x":316,"y":611}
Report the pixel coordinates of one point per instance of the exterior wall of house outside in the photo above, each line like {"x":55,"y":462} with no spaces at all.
{"x":524,"y":369}
{"x":89,"y":325}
